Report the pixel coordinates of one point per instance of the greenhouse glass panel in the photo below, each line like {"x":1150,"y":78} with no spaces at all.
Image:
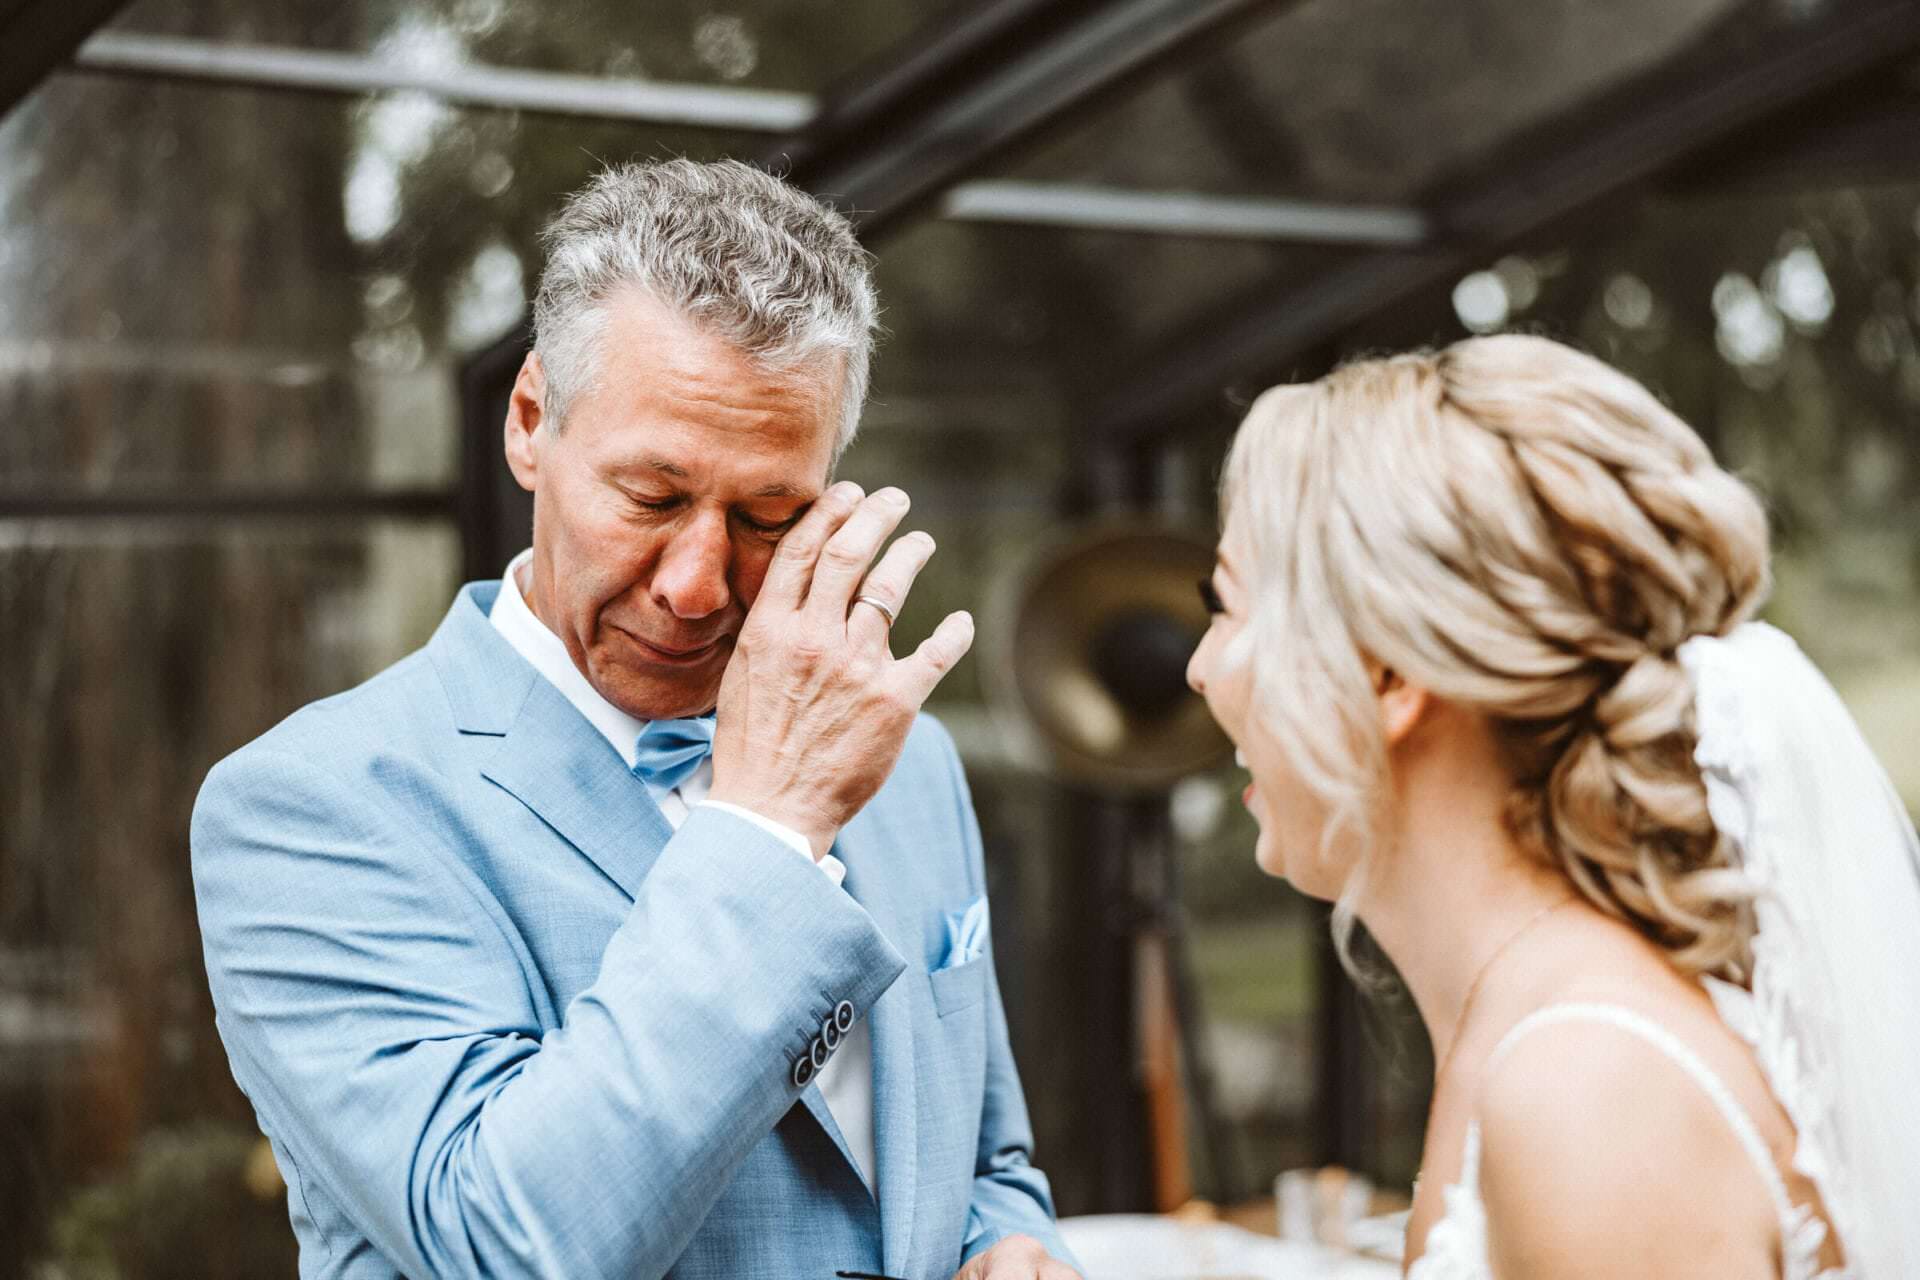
{"x":1022,"y":327}
{"x":796,"y":45}
{"x":146,"y":656}
{"x":1372,"y":100}
{"x":244,"y":289}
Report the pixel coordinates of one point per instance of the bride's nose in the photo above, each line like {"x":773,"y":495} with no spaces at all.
{"x":1196,"y":675}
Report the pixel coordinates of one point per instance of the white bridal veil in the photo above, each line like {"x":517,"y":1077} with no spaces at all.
{"x":1834,"y":1015}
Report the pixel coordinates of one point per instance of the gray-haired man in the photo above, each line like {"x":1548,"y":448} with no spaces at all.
{"x":534,"y":965}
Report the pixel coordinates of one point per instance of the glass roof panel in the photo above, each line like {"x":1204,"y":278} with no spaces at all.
{"x":798,"y":45}
{"x":1017,"y":327}
{"x":133,"y":667}
{"x":1369,"y":100}
{"x":264,"y":289}
{"x":301,"y":277}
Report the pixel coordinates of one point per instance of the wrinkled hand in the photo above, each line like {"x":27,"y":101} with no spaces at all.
{"x":1016,"y":1258}
{"x":814,"y":709}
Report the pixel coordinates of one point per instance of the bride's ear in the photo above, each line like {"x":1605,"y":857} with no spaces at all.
{"x":1402,"y":702}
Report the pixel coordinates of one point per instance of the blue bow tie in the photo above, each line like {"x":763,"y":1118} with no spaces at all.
{"x":669,"y":751}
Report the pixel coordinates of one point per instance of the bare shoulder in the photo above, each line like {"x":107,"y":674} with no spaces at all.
{"x":1603,"y":1158}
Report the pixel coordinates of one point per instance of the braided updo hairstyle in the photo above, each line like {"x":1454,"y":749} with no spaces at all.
{"x":1531,"y":534}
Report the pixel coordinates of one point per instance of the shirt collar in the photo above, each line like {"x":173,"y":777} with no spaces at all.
{"x":531,"y":639}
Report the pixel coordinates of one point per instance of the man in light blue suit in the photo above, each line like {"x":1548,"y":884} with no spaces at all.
{"x":636,"y":926}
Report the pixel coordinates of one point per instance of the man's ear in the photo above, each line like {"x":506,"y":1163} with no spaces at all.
{"x":1402,"y":703}
{"x":525,"y":419}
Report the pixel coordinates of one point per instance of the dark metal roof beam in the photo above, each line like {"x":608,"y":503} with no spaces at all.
{"x":193,"y":503}
{"x":1862,"y":133}
{"x":1565,"y":166}
{"x":939,"y":53}
{"x":882,"y":148}
{"x":38,"y":36}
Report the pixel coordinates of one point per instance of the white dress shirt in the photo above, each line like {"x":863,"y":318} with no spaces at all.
{"x":846,"y":1081}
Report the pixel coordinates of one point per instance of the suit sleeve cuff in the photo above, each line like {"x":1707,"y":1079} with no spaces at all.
{"x":831,"y":865}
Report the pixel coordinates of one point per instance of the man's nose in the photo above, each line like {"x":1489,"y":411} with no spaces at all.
{"x":691,"y":578}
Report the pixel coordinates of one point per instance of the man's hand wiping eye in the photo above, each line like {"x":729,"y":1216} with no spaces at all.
{"x":814,"y":708}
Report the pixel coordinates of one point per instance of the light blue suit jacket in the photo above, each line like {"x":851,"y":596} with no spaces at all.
{"x":499,"y":1019}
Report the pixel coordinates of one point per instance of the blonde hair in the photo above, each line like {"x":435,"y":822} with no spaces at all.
{"x":1531,"y":534}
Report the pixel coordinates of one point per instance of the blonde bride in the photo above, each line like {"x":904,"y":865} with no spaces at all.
{"x":1482,"y":637}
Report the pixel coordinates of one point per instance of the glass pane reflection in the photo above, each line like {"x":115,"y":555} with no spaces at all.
{"x":1368,"y":100}
{"x":124,"y":1147}
{"x":1027,"y":326}
{"x":771,"y":44}
{"x":261,"y":290}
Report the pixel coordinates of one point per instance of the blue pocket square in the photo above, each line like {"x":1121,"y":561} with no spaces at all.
{"x":967,"y":934}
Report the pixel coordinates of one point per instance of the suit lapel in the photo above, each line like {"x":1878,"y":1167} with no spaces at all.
{"x":896,"y":1106}
{"x":548,"y":757}
{"x":560,"y":767}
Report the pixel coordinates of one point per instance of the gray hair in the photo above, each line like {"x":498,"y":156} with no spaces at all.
{"x":740,"y":253}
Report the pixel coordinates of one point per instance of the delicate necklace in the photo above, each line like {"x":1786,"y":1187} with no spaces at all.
{"x":1473,"y":988}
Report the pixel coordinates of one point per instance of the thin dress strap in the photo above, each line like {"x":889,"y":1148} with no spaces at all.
{"x":1660,"y":1038}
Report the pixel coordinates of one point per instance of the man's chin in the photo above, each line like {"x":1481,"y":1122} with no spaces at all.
{"x":667,"y":705}
{"x":661,"y":695}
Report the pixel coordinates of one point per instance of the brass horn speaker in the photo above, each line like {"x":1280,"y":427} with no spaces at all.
{"x":1085,"y":653}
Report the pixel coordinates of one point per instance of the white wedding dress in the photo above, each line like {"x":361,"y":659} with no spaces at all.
{"x":1833,"y":1014}
{"x":1457,"y":1244}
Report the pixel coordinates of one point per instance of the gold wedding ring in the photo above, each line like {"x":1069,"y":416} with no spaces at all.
{"x":877,"y":603}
